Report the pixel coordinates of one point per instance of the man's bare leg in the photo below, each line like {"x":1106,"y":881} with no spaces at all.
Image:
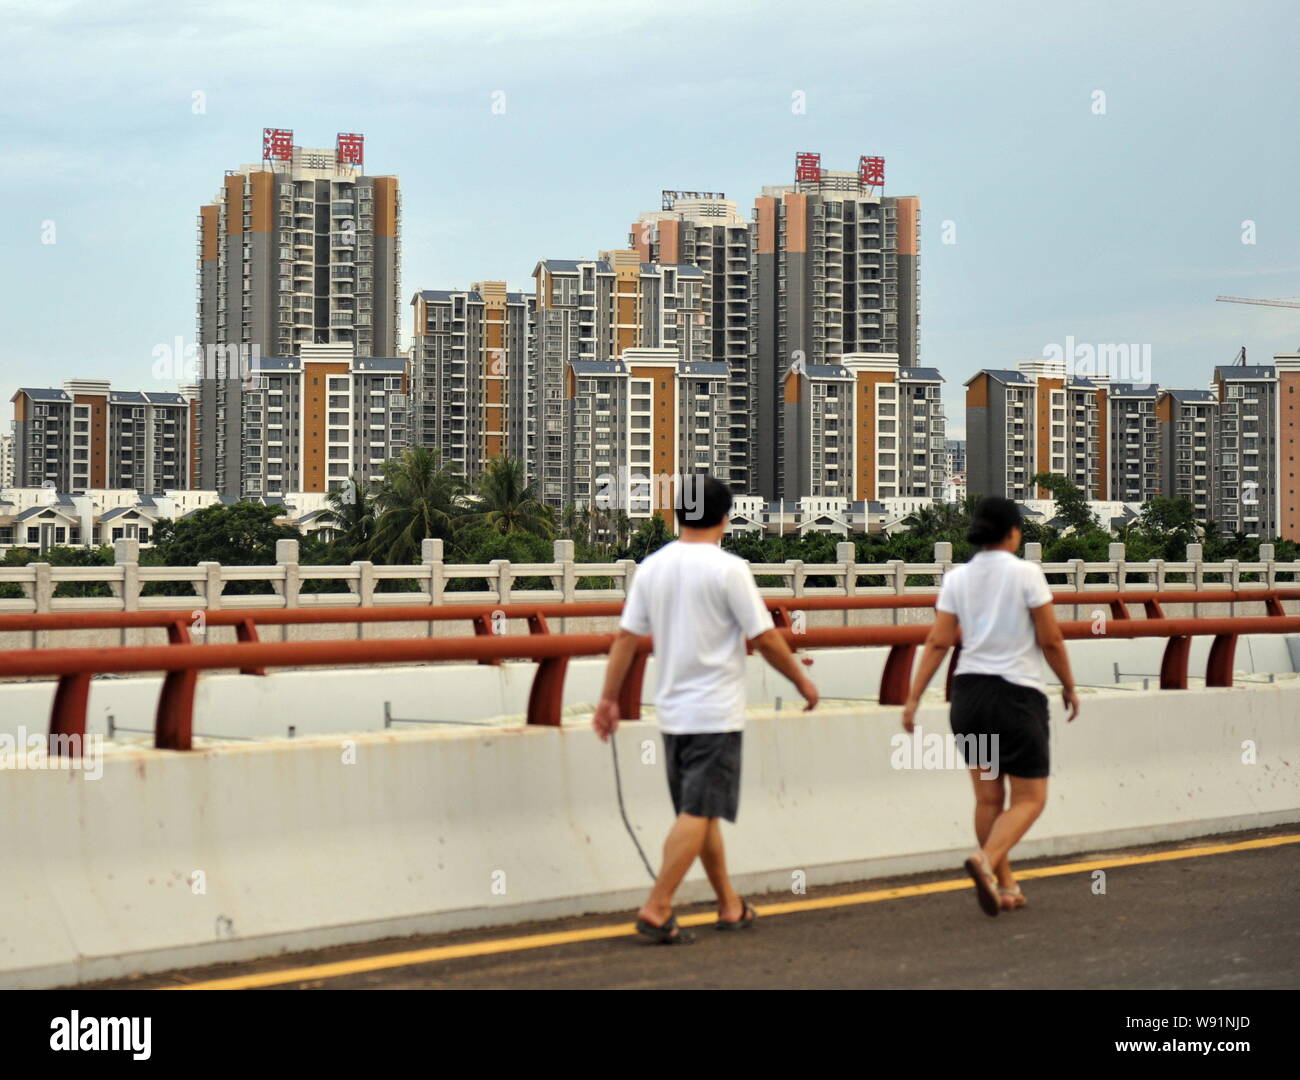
{"x":714,"y":857}
{"x":683,"y":846}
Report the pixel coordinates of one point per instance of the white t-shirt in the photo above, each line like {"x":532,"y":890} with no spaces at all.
{"x":701,"y":605}
{"x":992,"y":596}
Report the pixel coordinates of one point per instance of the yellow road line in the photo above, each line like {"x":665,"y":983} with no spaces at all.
{"x":361,"y":965}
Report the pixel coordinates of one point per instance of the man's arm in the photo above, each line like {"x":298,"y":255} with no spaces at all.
{"x":772,"y":647}
{"x":1052,"y":642}
{"x":621,"y":654}
{"x":942,"y":636}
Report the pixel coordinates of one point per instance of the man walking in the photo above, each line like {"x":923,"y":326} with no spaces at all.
{"x":701,"y":605}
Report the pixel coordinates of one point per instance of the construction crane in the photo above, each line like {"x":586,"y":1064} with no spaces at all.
{"x":1251,"y":300}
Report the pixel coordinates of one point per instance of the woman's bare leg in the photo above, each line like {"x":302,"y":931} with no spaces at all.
{"x":1027,"y":800}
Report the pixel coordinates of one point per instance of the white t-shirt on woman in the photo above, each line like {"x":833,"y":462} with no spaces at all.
{"x":992,"y":596}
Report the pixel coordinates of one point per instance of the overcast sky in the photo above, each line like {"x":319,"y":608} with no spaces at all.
{"x":1114,"y":219}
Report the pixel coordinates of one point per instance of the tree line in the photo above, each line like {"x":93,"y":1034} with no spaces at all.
{"x":502,"y":516}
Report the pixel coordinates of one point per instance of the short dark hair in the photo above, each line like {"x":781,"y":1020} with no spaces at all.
{"x":994,"y":519}
{"x":702,"y":501}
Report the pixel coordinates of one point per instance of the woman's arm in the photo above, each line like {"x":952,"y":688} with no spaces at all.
{"x":943,"y":634}
{"x":1052,"y":642}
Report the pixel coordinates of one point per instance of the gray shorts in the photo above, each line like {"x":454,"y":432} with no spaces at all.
{"x":704,"y":773}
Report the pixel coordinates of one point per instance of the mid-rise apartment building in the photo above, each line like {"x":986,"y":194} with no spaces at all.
{"x":1036,"y":419}
{"x":593,"y":311}
{"x":864,"y":429}
{"x":470,"y":390}
{"x":88,"y":435}
{"x":1133,"y":441}
{"x":705,"y":230}
{"x":1187,"y":426}
{"x":636,"y":423}
{"x":301,"y":248}
{"x":835,"y":273}
{"x":315,"y":420}
{"x":1246,"y":467}
{"x":956,"y":451}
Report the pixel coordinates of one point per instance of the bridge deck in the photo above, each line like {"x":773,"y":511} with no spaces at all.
{"x":1218,"y":913}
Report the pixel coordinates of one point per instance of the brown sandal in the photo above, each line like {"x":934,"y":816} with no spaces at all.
{"x":986,"y":885}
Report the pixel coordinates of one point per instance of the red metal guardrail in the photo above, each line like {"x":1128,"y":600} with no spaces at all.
{"x":182,"y":662}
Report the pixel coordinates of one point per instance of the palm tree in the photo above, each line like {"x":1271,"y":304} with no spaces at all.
{"x":507,"y":503}
{"x":418,"y":498}
{"x":350,"y":514}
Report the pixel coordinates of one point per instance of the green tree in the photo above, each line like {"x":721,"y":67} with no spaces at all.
{"x":1071,"y":502}
{"x":507,"y":503}
{"x":350,"y":513}
{"x":419,"y":498}
{"x":649,"y":538}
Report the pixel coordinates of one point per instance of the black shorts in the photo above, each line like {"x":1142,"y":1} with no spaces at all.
{"x":704,"y":773}
{"x":989,"y":705}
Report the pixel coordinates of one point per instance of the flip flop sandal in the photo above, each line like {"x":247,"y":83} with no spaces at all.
{"x":746,"y":920}
{"x":1011,"y":898}
{"x":986,"y":885}
{"x":664,"y":935}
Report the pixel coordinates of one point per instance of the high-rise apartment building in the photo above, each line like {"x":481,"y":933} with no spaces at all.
{"x":470,"y":392}
{"x":315,"y":420}
{"x":835,"y":273}
{"x":864,"y":429}
{"x":6,"y":461}
{"x":594,"y":310}
{"x":636,"y":423}
{"x":88,"y":435}
{"x":956,"y":451}
{"x":301,"y":248}
{"x":704,"y":229}
{"x":1033,"y":420}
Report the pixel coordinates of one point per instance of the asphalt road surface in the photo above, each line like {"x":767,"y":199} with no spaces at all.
{"x":1217,"y":913}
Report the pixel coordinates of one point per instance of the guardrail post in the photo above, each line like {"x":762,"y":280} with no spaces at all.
{"x":210,"y":587}
{"x":942,"y":556}
{"x":1266,"y":558}
{"x":364,"y":588}
{"x":1173,"y":667}
{"x":896,"y":679}
{"x":1033,"y":551}
{"x":1159,"y":575}
{"x":1079,"y":576}
{"x":126,"y":556}
{"x":629,"y":572}
{"x":1198,"y":570}
{"x":566,"y":583}
{"x":504,"y":579}
{"x":847,"y":553}
{"x":1116,"y":553}
{"x":1218,"y":668}
{"x":898,"y":577}
{"x":794,"y":567}
{"x":431,"y":557}
{"x":286,"y":555}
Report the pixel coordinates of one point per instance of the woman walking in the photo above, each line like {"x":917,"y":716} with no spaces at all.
{"x":1003,"y":608}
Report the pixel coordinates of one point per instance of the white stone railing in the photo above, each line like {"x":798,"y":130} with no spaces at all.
{"x":564,"y":579}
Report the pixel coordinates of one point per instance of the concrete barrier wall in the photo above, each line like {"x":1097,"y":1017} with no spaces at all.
{"x":328,"y":840}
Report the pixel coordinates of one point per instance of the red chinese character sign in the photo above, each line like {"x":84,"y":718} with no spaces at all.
{"x":808,"y":167}
{"x":350,"y":149}
{"x":277,"y":144}
{"x":871,"y":171}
